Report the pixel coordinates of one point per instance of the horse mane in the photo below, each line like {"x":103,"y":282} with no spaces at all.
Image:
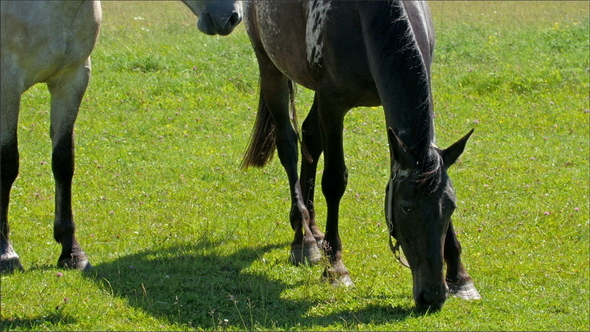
{"x":398,"y":59}
{"x":430,"y":168}
{"x":391,"y":25}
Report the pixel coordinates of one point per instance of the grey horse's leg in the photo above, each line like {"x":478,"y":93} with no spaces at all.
{"x":10,"y":103}
{"x":67,"y":92}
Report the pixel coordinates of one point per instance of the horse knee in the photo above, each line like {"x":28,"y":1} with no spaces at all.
{"x":288,"y":152}
{"x":334,"y":183}
{"x":312,"y":142}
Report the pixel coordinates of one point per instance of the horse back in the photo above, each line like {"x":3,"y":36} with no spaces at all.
{"x":361,"y":49}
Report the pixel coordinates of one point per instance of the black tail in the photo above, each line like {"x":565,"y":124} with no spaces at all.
{"x":263,"y":141}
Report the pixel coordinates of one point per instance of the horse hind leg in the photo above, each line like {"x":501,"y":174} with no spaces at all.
{"x":312,"y":145}
{"x":307,"y":247}
{"x":10,"y":101}
{"x":459,"y":281}
{"x":66,"y":95}
{"x":275,"y":99}
{"x":304,"y":248}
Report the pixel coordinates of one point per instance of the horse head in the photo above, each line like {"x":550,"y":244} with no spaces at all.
{"x":216,"y":17}
{"x":419,"y":203}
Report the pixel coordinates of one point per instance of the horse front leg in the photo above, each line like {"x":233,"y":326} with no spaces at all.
{"x":10,"y":100}
{"x":312,"y":147}
{"x":459,"y":281}
{"x":334,"y":180}
{"x":66,"y":96}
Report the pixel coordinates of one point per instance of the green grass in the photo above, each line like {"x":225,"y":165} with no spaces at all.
{"x":182,"y":239}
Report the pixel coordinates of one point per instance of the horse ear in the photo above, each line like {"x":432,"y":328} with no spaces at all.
{"x":452,"y":153}
{"x":399,"y":152}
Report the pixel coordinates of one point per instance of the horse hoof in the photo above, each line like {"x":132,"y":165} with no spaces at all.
{"x":337,"y":276}
{"x":465,"y":291}
{"x":10,"y":264}
{"x":9,"y":261}
{"x":82,"y":265}
{"x":342,"y":281}
{"x":302,"y":254}
{"x":75,"y":262}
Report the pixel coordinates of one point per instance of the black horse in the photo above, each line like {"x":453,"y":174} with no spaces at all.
{"x":358,"y":53}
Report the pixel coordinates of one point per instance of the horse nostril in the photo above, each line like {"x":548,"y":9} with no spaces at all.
{"x":234,"y":19}
{"x":422,"y":301}
{"x":430,"y":301}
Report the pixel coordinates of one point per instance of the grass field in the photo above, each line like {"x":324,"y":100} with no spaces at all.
{"x":182,"y":239}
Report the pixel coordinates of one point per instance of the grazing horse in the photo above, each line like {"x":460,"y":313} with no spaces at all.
{"x":51,"y":42}
{"x":358,"y":53}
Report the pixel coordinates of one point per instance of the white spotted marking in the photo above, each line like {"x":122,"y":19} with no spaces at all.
{"x":316,"y":19}
{"x":397,"y":171}
{"x":403,"y":173}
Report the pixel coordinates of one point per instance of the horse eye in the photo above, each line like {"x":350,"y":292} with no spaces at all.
{"x":406,"y":209}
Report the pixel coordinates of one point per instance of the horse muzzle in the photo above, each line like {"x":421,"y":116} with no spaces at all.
{"x":431,"y":298}
{"x":213,"y":25}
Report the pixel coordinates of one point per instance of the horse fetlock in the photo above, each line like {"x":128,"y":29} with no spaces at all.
{"x":63,"y":232}
{"x":305,"y":252}
{"x":299,"y":216}
{"x":317,"y":234}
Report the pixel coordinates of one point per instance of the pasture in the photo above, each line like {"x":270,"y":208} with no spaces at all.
{"x":181,"y":238}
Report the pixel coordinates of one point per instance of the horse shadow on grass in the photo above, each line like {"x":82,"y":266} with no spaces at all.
{"x":30,"y":324}
{"x":195,"y":287}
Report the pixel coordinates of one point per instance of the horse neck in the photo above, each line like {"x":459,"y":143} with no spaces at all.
{"x":399,"y":55}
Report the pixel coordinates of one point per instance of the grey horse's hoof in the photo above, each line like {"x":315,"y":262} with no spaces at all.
{"x":10,"y":264}
{"x":83,"y":265}
{"x":9,"y":261}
